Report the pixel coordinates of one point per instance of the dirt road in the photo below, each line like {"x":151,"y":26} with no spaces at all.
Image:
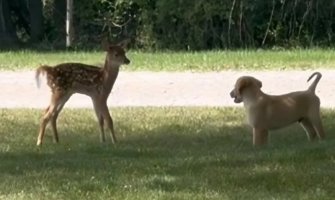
{"x":18,"y":89}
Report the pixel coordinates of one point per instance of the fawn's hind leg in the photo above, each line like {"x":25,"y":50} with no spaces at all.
{"x":56,"y":100}
{"x":55,"y":116}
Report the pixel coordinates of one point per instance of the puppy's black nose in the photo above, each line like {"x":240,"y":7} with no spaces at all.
{"x":232,"y":95}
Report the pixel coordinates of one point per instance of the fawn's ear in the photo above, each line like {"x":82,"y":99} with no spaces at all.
{"x":105,"y":44}
{"x":124,"y":43}
{"x":259,"y":83}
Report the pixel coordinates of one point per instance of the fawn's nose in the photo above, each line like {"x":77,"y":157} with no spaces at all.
{"x":126,"y":61}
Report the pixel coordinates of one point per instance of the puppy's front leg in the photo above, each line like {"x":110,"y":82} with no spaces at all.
{"x":260,"y":136}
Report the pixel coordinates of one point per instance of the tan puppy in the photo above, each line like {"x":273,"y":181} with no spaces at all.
{"x":266,"y":112}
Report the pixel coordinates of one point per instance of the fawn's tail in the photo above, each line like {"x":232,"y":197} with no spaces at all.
{"x":41,"y":70}
{"x":315,"y":82}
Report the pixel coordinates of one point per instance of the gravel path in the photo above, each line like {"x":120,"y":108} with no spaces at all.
{"x":18,"y":89}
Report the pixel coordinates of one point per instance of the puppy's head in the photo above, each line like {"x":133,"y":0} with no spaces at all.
{"x":243,"y":83}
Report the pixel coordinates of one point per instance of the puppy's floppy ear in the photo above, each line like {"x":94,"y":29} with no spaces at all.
{"x":241,"y":86}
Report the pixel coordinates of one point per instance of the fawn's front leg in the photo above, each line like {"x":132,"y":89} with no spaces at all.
{"x":102,"y":113}
{"x":109,"y":120}
{"x":97,"y":109}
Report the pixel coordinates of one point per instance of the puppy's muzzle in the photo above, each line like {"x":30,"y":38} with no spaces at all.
{"x":234,"y":96}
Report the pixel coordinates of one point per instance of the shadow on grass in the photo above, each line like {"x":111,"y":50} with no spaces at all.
{"x":172,"y":157}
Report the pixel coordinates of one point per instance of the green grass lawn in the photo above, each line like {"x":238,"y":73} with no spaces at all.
{"x":181,"y":61}
{"x":163,"y":153}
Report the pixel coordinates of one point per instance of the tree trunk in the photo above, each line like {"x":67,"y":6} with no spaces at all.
{"x":59,"y":16}
{"x":69,"y":19}
{"x":19,"y":8}
{"x":36,"y":20}
{"x":269,"y":23}
{"x":230,"y":22}
{"x":7,"y":31}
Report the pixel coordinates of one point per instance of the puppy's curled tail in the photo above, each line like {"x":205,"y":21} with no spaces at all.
{"x":315,"y":82}
{"x":41,"y":70}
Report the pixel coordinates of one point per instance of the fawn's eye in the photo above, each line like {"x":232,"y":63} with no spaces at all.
{"x":116,"y":54}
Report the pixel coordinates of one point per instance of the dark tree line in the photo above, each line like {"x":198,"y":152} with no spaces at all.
{"x":172,"y":24}
{"x":31,"y":21}
{"x":18,"y":17}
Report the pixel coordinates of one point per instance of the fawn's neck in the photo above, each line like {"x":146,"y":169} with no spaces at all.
{"x":110,"y":74}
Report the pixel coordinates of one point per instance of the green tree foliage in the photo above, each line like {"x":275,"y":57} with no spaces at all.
{"x":95,"y":19}
{"x":189,"y":24}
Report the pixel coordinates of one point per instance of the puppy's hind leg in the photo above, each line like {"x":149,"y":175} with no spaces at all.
{"x":309,"y":129}
{"x":317,"y":124}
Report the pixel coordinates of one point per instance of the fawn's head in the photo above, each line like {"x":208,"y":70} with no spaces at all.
{"x":116,"y":53}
